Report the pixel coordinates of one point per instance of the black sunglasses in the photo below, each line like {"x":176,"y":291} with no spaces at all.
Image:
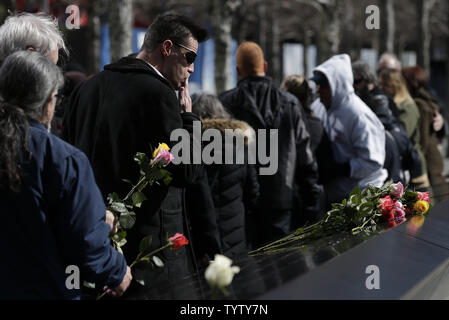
{"x":190,"y":55}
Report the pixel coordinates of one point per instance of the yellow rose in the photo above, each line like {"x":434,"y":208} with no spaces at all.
{"x":421,"y":206}
{"x":161,"y":147}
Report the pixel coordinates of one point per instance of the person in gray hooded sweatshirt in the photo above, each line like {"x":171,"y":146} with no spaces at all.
{"x":356,"y":135}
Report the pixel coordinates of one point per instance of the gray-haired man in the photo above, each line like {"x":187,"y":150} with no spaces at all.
{"x":35,"y":32}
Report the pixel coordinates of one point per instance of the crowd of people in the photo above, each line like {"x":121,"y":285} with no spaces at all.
{"x":357,"y":127}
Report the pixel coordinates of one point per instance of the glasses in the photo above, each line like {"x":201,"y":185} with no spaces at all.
{"x":190,"y":55}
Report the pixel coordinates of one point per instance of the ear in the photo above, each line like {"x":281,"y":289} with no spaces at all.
{"x":265,"y":66}
{"x":238,"y":71}
{"x":166,"y":48}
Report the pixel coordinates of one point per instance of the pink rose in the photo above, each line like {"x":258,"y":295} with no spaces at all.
{"x":424,"y":196}
{"x":399,"y":220}
{"x":164,"y":157}
{"x":399,"y":205}
{"x":397,"y":190}
{"x":399,"y":213}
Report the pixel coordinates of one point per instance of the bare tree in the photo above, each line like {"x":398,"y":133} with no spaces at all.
{"x":330,"y":31}
{"x":270,"y":36}
{"x":120,"y":28}
{"x":388,"y":26}
{"x":423,"y":9}
{"x":93,"y":37}
{"x":222,"y":16}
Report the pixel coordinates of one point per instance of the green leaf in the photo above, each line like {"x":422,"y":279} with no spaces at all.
{"x":128,"y":181}
{"x":138,"y":198}
{"x":167,"y":178}
{"x":113,"y":197}
{"x":157,"y":174}
{"x":127,"y":219}
{"x":89,"y":285}
{"x":145,"y":244}
{"x":158,"y":262}
{"x":119,"y":236}
{"x":356,"y":191}
{"x":119,"y":239}
{"x":140,"y":157}
{"x":140,"y":281}
{"x":118,"y":207}
{"x":355,"y":199}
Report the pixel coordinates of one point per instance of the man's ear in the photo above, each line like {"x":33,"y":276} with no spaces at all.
{"x":166,"y":48}
{"x":238,"y":71}
{"x":265,"y":66}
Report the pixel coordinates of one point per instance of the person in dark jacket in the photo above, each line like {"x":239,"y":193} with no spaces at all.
{"x":129,"y":107}
{"x":234,"y":187}
{"x":299,"y":87}
{"x":257,"y":101}
{"x":365,"y":87}
{"x":431,"y":124}
{"x":52,"y":210}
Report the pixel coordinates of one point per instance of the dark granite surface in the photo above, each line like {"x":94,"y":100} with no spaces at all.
{"x":413,"y":261}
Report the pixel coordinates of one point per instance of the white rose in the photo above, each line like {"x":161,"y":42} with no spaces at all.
{"x":220,"y":273}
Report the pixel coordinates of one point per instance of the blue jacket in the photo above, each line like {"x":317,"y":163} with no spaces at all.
{"x":56,"y":221}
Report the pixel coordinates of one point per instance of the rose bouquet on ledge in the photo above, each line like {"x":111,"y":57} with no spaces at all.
{"x":363,"y":211}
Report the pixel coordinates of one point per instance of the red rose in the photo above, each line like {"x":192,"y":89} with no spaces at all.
{"x":388,"y":215}
{"x":386,"y":204}
{"x":408,"y":211}
{"x":178,"y":241}
{"x":391,"y":224}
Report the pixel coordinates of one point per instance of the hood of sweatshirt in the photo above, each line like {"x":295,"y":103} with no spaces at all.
{"x":338,"y":71}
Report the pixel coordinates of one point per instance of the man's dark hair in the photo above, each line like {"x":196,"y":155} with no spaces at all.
{"x":173,"y":27}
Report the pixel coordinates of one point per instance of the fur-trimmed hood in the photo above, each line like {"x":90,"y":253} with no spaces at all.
{"x":223,"y":124}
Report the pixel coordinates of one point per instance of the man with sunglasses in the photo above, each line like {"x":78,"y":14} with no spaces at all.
{"x":129,"y":107}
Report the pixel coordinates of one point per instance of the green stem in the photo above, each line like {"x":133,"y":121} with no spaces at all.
{"x":288,"y":239}
{"x":100,"y":296}
{"x":138,"y":259}
{"x":142,"y":180}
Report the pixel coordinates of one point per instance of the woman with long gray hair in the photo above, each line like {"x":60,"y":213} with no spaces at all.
{"x":51,"y":209}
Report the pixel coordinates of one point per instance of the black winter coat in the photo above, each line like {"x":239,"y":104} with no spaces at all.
{"x":263,"y":106}
{"x":400,"y":152}
{"x":235,"y":191}
{"x":121,"y":111}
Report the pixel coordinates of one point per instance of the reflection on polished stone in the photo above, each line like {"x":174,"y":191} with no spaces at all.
{"x":258,"y":274}
{"x":311,"y":271}
{"x":415,"y":224}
